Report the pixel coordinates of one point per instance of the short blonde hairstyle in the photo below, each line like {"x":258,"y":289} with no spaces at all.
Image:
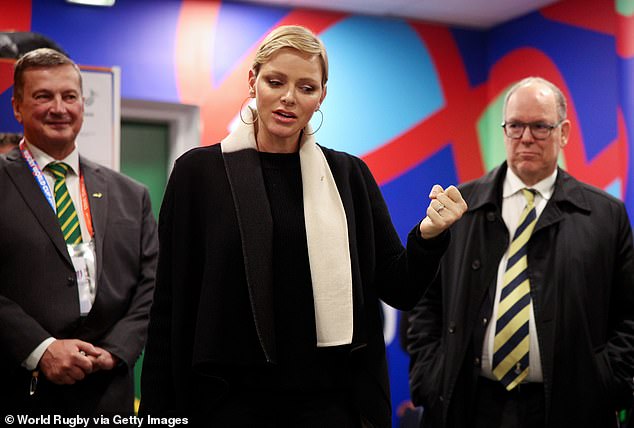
{"x":295,"y":37}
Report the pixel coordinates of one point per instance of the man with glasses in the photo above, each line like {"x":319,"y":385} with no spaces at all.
{"x":529,"y":322}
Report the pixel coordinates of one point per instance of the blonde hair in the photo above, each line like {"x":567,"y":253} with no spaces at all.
{"x":295,"y":37}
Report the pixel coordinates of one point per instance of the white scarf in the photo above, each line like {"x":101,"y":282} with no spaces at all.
{"x":326,"y":234}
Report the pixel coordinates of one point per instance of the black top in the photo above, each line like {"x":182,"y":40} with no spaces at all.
{"x":307,"y":383}
{"x":301,"y":365}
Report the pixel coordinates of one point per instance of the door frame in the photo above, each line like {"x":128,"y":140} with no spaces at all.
{"x":183,"y":121}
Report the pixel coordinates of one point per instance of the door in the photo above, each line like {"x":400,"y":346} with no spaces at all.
{"x":144,"y":157}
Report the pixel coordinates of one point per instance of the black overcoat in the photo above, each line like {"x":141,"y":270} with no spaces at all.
{"x":212,"y":315}
{"x":581,"y":270}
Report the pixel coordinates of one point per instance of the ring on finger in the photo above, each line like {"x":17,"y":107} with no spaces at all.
{"x":439,"y":208}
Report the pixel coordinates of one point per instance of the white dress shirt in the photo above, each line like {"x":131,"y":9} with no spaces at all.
{"x":513,"y":203}
{"x":72,"y":180}
{"x":72,"y":183}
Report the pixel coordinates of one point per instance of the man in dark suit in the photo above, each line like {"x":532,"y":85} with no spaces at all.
{"x":78,"y":250}
{"x":530,"y":321}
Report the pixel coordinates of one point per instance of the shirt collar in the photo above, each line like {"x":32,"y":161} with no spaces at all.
{"x":513,"y":184}
{"x":43,"y":159}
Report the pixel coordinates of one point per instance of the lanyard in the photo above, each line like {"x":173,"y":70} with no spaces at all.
{"x":85,"y":206}
{"x":37,"y":173}
{"x":46,"y":190}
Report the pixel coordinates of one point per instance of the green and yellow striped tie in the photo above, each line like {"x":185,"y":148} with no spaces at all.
{"x":66,"y":213}
{"x":511,"y":343}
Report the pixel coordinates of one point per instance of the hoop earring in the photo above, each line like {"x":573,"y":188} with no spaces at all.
{"x":320,"y":123}
{"x":242,"y":108}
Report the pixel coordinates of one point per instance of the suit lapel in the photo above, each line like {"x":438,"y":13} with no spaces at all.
{"x":97,"y":190}
{"x":25,"y":183}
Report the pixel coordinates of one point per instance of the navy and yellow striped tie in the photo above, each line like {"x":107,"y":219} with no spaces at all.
{"x":511,"y":343}
{"x":66,"y":214}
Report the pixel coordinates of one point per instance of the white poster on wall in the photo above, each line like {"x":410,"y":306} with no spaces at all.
{"x":99,"y":139}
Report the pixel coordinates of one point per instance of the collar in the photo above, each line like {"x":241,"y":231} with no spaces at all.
{"x":42,"y":158}
{"x":513,"y":184}
{"x":487,"y":190}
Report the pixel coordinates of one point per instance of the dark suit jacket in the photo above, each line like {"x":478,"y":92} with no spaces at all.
{"x":38,"y":292}
{"x":212,"y":316}
{"x":581,"y":270}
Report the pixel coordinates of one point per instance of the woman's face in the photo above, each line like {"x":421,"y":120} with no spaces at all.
{"x":288,"y":91}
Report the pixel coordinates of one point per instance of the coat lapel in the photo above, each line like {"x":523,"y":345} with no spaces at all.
{"x":97,"y":190}
{"x":567,"y":192}
{"x":256,"y":233}
{"x":32,"y":194}
{"x":487,"y":197}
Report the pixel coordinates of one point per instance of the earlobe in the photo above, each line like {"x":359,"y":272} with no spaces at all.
{"x":252,"y":77}
{"x":16,"y":111}
{"x":565,"y":133}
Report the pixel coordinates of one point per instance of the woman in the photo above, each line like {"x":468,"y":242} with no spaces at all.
{"x":274,"y":254}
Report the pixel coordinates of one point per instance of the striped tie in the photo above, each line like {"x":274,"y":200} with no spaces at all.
{"x":511,"y":343}
{"x":66,"y":213}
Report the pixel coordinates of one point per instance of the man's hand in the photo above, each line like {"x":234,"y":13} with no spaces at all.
{"x":445,"y":208}
{"x":105,"y":360}
{"x":66,"y":361}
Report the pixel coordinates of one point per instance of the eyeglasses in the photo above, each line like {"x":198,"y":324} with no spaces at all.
{"x":539,"y":130}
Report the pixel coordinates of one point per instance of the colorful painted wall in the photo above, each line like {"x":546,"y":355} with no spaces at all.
{"x":420,"y":103}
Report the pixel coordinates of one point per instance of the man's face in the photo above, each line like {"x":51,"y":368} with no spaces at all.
{"x":533,"y":159}
{"x":51,"y":109}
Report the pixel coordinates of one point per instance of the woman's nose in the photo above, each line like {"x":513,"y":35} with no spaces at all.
{"x":288,"y":98}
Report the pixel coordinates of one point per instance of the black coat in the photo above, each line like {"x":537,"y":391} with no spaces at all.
{"x":581,"y":270}
{"x":212,"y":315}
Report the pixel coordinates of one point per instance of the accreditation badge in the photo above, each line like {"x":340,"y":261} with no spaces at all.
{"x":83,"y":257}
